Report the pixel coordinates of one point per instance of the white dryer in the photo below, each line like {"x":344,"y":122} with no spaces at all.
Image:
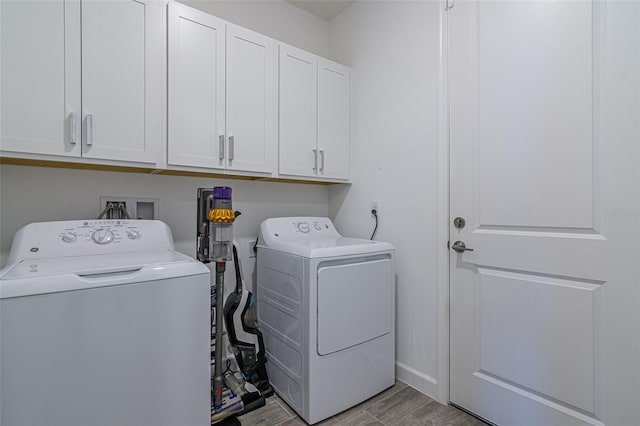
{"x":326,"y":310}
{"x":103,"y":323}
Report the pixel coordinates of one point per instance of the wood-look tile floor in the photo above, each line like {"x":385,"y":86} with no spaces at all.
{"x":399,"y":405}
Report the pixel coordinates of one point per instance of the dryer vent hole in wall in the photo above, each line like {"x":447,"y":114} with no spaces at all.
{"x":136,"y":207}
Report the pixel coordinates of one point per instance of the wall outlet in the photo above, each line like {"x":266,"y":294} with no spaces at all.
{"x":375,"y":205}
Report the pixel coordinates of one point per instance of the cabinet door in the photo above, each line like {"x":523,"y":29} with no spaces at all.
{"x":122,"y":79}
{"x":298,"y":96}
{"x":252,"y":100}
{"x":40,"y":77}
{"x":196,"y":88}
{"x":333,"y":119}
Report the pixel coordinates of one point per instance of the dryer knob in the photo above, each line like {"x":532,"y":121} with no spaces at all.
{"x":303,"y":227}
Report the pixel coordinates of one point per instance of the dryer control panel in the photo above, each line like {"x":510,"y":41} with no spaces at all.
{"x":81,"y":237}
{"x":286,"y":229}
{"x":313,"y":237}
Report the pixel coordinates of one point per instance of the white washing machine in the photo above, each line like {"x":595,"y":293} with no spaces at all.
{"x":103,"y":323}
{"x":326,"y":310}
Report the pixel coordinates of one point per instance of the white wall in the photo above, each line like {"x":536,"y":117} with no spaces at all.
{"x":37,"y":194}
{"x":393,"y":48}
{"x":278,"y":19}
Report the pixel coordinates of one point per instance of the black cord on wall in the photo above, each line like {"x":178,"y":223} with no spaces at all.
{"x":374,"y":212}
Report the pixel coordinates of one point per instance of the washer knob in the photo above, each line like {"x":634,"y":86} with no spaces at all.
{"x":133,"y":234}
{"x":68,"y":237}
{"x":102,"y":236}
{"x":303,"y":227}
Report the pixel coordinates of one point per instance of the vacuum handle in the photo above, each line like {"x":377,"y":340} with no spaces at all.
{"x":238,"y":268}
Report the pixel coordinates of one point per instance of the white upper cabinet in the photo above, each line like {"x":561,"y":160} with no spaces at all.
{"x":118,"y":81}
{"x":333,"y":119}
{"x":122,"y":50}
{"x":223,"y":98}
{"x":82,"y":78}
{"x":252,"y":101}
{"x":196,"y":77}
{"x":298,"y":111}
{"x":40,"y":77}
{"x":314,"y":116}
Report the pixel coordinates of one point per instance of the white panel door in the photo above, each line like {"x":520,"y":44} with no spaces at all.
{"x":333,"y":119}
{"x":40,"y":76}
{"x":196,"y":103}
{"x":122,"y":79}
{"x":544,"y":112}
{"x":298,"y":112}
{"x":252,"y":101}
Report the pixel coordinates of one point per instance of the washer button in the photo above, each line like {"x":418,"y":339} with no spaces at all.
{"x":68,"y":237}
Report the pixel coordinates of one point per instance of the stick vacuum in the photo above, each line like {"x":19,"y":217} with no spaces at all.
{"x":221,"y":217}
{"x":215,"y":244}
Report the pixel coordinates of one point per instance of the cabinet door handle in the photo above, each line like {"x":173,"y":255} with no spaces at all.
{"x":221,"y":147}
{"x":73,"y":122}
{"x":315,"y":159}
{"x":322,"y":160}
{"x":231,"y":147}
{"x":89,"y":124}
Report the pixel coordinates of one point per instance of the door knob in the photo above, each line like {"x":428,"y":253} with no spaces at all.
{"x":460,"y":247}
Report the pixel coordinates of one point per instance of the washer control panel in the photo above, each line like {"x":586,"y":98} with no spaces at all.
{"x":86,"y":237}
{"x":102,"y":232}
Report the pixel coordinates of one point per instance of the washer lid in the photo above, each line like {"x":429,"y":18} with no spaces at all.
{"x":50,"y":275}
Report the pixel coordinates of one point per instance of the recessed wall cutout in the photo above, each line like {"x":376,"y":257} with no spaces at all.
{"x":137,"y":207}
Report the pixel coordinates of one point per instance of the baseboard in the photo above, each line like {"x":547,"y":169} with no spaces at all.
{"x":418,"y":380}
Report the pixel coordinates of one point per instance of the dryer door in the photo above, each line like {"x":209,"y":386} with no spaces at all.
{"x":355,"y":304}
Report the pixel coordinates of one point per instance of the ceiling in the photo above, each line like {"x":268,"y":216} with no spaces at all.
{"x":325,"y":9}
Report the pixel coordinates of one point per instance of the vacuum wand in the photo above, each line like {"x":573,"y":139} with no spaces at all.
{"x":218,"y":379}
{"x":221,"y":218}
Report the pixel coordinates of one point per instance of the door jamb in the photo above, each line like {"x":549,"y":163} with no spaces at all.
{"x":442,"y":240}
